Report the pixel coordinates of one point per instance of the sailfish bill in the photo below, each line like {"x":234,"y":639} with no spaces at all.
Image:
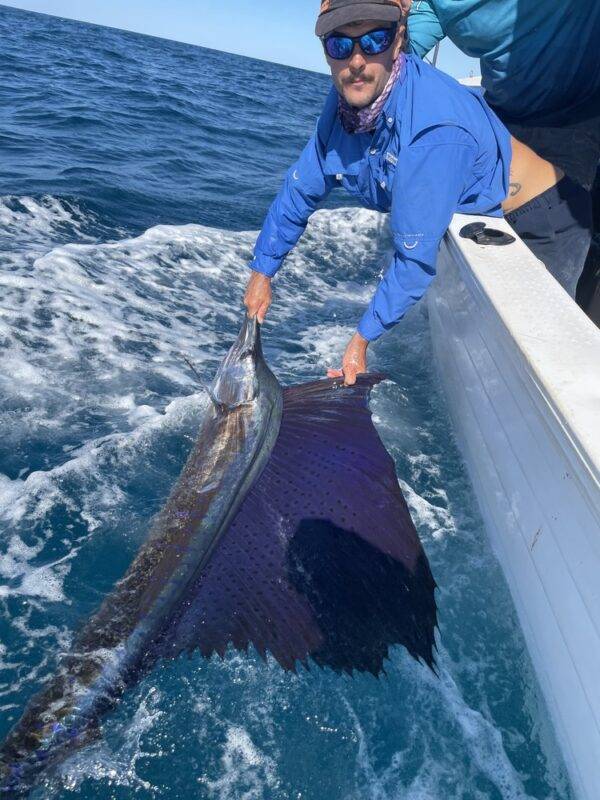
{"x":286,"y":531}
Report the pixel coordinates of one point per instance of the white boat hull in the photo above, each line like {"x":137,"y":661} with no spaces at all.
{"x":520,"y":364}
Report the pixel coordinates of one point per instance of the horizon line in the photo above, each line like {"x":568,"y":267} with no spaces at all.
{"x":160,"y":38}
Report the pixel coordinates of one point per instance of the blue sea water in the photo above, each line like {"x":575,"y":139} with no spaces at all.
{"x":134,"y":173}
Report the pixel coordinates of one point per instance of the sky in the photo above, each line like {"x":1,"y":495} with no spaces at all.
{"x":280,"y":31}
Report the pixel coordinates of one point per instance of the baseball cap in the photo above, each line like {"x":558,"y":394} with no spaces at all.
{"x":336,"y":13}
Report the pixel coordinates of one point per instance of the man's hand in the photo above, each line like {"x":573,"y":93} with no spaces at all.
{"x":258,"y":296}
{"x":354,"y":361}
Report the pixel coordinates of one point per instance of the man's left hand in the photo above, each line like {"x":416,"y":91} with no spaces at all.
{"x":354,"y":361}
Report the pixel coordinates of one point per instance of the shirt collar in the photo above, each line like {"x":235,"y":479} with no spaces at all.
{"x":390,"y":109}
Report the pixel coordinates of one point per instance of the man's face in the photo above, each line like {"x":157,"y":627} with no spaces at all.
{"x":362,"y":78}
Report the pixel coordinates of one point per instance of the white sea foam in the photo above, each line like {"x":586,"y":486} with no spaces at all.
{"x":483,"y":740}
{"x":28,"y":218}
{"x":429,"y":517}
{"x":45,"y":582}
{"x":103,"y":766}
{"x":246,"y":771}
{"x":324,"y":345}
{"x":443,"y":708}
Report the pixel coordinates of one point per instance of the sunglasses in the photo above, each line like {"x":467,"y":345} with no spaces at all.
{"x":371,"y":43}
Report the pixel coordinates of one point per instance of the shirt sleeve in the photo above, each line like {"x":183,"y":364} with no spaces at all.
{"x":424,"y":27}
{"x":429,"y":182}
{"x":305,"y":185}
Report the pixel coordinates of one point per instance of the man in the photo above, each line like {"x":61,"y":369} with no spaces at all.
{"x":391,"y":127}
{"x":540,"y":68}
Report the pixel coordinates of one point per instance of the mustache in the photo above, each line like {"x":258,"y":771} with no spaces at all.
{"x":353,"y":79}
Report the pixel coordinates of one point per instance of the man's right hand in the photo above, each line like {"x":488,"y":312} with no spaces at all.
{"x":258,"y":296}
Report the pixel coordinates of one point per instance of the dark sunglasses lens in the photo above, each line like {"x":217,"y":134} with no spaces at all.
{"x":376,"y":41}
{"x":339,"y":47}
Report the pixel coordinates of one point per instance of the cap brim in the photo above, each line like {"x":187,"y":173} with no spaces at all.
{"x":328,"y":22}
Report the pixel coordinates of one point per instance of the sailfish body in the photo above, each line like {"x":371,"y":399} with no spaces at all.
{"x":286,"y":530}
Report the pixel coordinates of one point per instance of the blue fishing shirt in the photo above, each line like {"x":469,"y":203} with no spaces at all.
{"x":437,"y":149}
{"x":540,"y":59}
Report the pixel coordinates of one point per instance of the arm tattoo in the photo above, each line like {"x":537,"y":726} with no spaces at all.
{"x":515,"y":188}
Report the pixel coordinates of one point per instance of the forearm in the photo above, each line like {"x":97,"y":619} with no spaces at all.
{"x":279,"y":235}
{"x":305,"y":186}
{"x":403,"y":285}
{"x":258,"y":296}
{"x":354,"y":361}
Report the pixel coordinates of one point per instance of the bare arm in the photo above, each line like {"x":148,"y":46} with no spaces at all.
{"x":258,"y":295}
{"x":354,"y":362}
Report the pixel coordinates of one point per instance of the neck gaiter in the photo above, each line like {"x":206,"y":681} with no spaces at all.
{"x":363,"y":120}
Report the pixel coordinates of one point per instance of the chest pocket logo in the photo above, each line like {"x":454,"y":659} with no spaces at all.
{"x":389,"y":170}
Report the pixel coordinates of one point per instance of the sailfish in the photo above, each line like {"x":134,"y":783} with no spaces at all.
{"x":287,"y":532}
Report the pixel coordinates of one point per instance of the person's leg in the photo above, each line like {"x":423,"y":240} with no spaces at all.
{"x":556,"y":226}
{"x":575,"y":148}
{"x":588,"y":288}
{"x":592,"y":304}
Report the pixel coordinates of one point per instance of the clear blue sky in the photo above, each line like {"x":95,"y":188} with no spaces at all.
{"x":274,"y":31}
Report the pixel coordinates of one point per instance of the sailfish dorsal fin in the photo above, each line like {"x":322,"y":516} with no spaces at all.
{"x":322,"y":561}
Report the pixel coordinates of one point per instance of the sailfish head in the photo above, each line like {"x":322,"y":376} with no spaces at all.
{"x":237,"y":381}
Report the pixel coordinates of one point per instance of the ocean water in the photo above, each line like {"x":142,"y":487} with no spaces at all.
{"x":134,"y":174}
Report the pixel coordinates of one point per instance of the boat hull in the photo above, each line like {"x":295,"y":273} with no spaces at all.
{"x":520,"y":365}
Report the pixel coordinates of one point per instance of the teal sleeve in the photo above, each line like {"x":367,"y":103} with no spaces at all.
{"x":424,"y":28}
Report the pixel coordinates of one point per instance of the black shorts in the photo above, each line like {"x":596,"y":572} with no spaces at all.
{"x":557,"y":227}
